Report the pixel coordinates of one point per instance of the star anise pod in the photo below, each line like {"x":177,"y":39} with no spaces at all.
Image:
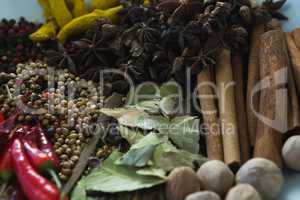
{"x":60,"y":58}
{"x":146,"y":33}
{"x":181,"y":10}
{"x":270,"y":9}
{"x":236,"y":38}
{"x":97,"y":49}
{"x":92,"y":73}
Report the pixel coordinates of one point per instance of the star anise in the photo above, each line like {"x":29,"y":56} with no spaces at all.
{"x":92,"y":73}
{"x":181,"y":10}
{"x":96,"y":50}
{"x":269,"y":10}
{"x":60,"y":58}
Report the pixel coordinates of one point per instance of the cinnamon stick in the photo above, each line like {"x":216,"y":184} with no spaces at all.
{"x":273,"y":61}
{"x":253,"y":78}
{"x":293,"y":112}
{"x":294,"y":53}
{"x":293,"y":103}
{"x":224,"y":79}
{"x":209,"y":110}
{"x":238,"y":74}
{"x":296,"y":37}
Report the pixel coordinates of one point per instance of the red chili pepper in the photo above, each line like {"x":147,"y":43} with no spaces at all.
{"x":18,"y":194}
{"x":2,"y":118}
{"x":35,"y":186}
{"x":6,"y":165}
{"x":38,"y":158}
{"x":6,"y":127}
{"x":45,"y":145}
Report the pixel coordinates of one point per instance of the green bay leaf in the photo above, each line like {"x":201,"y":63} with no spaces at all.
{"x":112,"y":178}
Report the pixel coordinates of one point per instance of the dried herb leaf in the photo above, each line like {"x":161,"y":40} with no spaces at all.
{"x":132,"y":136}
{"x":113,"y":178}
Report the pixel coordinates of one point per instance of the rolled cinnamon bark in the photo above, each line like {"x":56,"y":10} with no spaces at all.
{"x":253,"y":78}
{"x":225,"y":84}
{"x":293,"y":103}
{"x":238,"y":74}
{"x":209,"y":110}
{"x":294,"y":53}
{"x":273,"y":62}
{"x":296,"y":37}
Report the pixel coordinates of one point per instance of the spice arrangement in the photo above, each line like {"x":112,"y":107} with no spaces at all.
{"x":164,"y":100}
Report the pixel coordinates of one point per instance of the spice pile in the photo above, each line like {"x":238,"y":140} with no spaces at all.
{"x":16,"y":47}
{"x":167,"y":144}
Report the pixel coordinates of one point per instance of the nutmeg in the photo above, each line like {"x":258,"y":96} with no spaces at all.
{"x":205,"y":195}
{"x":291,"y":153}
{"x":263,"y":175}
{"x":182,"y":181}
{"x":216,"y":176}
{"x":243,"y":192}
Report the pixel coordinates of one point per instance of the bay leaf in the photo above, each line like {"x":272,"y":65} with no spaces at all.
{"x":169,"y":106}
{"x":167,"y":157}
{"x":139,"y":157}
{"x":151,"y":122}
{"x":152,"y":171}
{"x":170,"y":88}
{"x":112,"y":178}
{"x":131,"y":135}
{"x":184,"y":132}
{"x":150,"y":106}
{"x":140,"y":154}
{"x":79,"y":192}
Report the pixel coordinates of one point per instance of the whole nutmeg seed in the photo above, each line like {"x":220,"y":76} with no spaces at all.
{"x":182,"y":181}
{"x":263,"y":175}
{"x":243,"y":192}
{"x":291,"y":153}
{"x":205,"y":195}
{"x":216,"y":176}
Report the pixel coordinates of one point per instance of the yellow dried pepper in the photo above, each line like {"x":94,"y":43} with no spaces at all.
{"x":85,"y":22}
{"x":78,"y":8}
{"x":47,"y":31}
{"x":147,"y":3}
{"x":103,"y":4}
{"x":60,"y":12}
{"x":46,"y":9}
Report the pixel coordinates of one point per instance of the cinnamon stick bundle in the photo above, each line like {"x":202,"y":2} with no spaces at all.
{"x":253,"y":78}
{"x":273,"y":60}
{"x":238,"y":74}
{"x":294,"y":53}
{"x":209,"y":109}
{"x":225,"y":84}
